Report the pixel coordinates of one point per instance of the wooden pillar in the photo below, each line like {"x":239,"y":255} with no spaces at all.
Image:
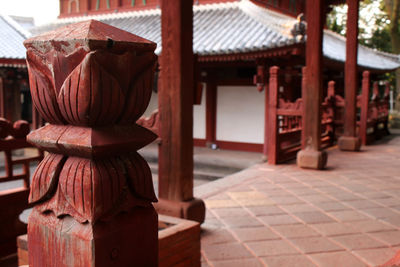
{"x":92,"y":193}
{"x":272,"y":119}
{"x":364,"y":107}
{"x":175,"y":100}
{"x":350,"y":141}
{"x":260,"y":80}
{"x":2,"y":99}
{"x":311,"y":155}
{"x":211,"y":113}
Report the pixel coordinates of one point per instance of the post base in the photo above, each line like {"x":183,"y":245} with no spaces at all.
{"x":349,"y":143}
{"x":312,"y":159}
{"x":128,"y":239}
{"x":194,"y":209}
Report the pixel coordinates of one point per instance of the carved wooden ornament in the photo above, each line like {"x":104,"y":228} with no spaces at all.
{"x":91,"y":82}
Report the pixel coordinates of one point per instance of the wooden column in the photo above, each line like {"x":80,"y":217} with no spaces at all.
{"x":2,"y":99}
{"x":92,"y":193}
{"x":364,"y":107}
{"x":211,"y":113}
{"x":311,"y":155}
{"x":175,"y":100}
{"x":272,"y":120}
{"x":350,"y":140}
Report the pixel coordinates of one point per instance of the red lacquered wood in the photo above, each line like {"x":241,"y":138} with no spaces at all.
{"x":351,"y":75}
{"x":92,"y":193}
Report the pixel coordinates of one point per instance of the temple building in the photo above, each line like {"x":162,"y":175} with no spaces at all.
{"x":230,"y":39}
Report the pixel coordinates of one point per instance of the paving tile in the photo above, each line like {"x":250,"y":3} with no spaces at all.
{"x":313,"y":217}
{"x":235,"y":222}
{"x":391,"y":238}
{"x":288,"y":260}
{"x":282,"y":200}
{"x":212,"y":223}
{"x":266,"y":210}
{"x":370,"y":226}
{"x":255,"y":202}
{"x":272,"y":248}
{"x":295,"y":230}
{"x":315,"y":245}
{"x":348,"y":215}
{"x":380,"y":212}
{"x":375,"y":257}
{"x":279,"y":219}
{"x":238,"y":263}
{"x":358,"y":241}
{"x":246,"y":195}
{"x":231,"y":212}
{"x":335,"y":259}
{"x":255,"y":234}
{"x":220,"y":203}
{"x":216,"y":237}
{"x":362,"y":204}
{"x":391,"y":201}
{"x":299,"y":208}
{"x":318,"y":198}
{"x":393,"y":220}
{"x":227,"y":251}
{"x":335,"y":228}
{"x":331,"y":206}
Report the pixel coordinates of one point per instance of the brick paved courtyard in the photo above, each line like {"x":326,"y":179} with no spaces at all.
{"x":346,"y":215}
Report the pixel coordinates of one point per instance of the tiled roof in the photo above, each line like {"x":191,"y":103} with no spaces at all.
{"x":236,"y":27}
{"x":12,"y":36}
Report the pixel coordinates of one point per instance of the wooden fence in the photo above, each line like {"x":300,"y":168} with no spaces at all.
{"x":285,"y":118}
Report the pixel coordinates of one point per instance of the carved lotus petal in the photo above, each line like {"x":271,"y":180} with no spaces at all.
{"x":90,"y":95}
{"x":139,"y":177}
{"x":92,"y":187}
{"x":45,"y":178}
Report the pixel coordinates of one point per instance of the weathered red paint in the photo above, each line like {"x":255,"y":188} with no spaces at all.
{"x":311,"y":155}
{"x":350,"y":140}
{"x":14,"y":201}
{"x":92,"y":193}
{"x":175,"y":101}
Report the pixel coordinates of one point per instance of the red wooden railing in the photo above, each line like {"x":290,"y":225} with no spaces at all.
{"x":285,"y":118}
{"x":15,"y":200}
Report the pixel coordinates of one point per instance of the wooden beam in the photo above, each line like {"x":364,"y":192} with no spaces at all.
{"x":176,"y":113}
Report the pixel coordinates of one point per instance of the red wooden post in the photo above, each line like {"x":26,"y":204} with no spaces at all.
{"x":2,"y":99}
{"x":175,"y":99}
{"x":92,"y":193}
{"x":350,"y":141}
{"x":272,"y":118}
{"x":364,"y":107}
{"x":211,"y":113}
{"x":311,"y":155}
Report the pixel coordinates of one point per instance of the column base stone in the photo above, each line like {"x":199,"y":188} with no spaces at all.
{"x":349,"y":143}
{"x":194,"y":209}
{"x":312,"y":159}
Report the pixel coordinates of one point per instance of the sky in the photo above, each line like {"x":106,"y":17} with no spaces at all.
{"x":43,"y":11}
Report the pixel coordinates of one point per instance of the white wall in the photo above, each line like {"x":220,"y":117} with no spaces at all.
{"x":240,"y":114}
{"x":199,"y":114}
{"x":153,"y":105}
{"x":199,"y":118}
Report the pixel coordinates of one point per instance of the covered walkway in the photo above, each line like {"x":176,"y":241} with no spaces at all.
{"x":346,"y":215}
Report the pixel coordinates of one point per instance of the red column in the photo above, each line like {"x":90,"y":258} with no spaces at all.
{"x":92,"y":193}
{"x":364,"y":107}
{"x":2,"y":99}
{"x":272,"y":117}
{"x":311,"y":155}
{"x":350,"y":141}
{"x":176,"y":113}
{"x":211,"y":113}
